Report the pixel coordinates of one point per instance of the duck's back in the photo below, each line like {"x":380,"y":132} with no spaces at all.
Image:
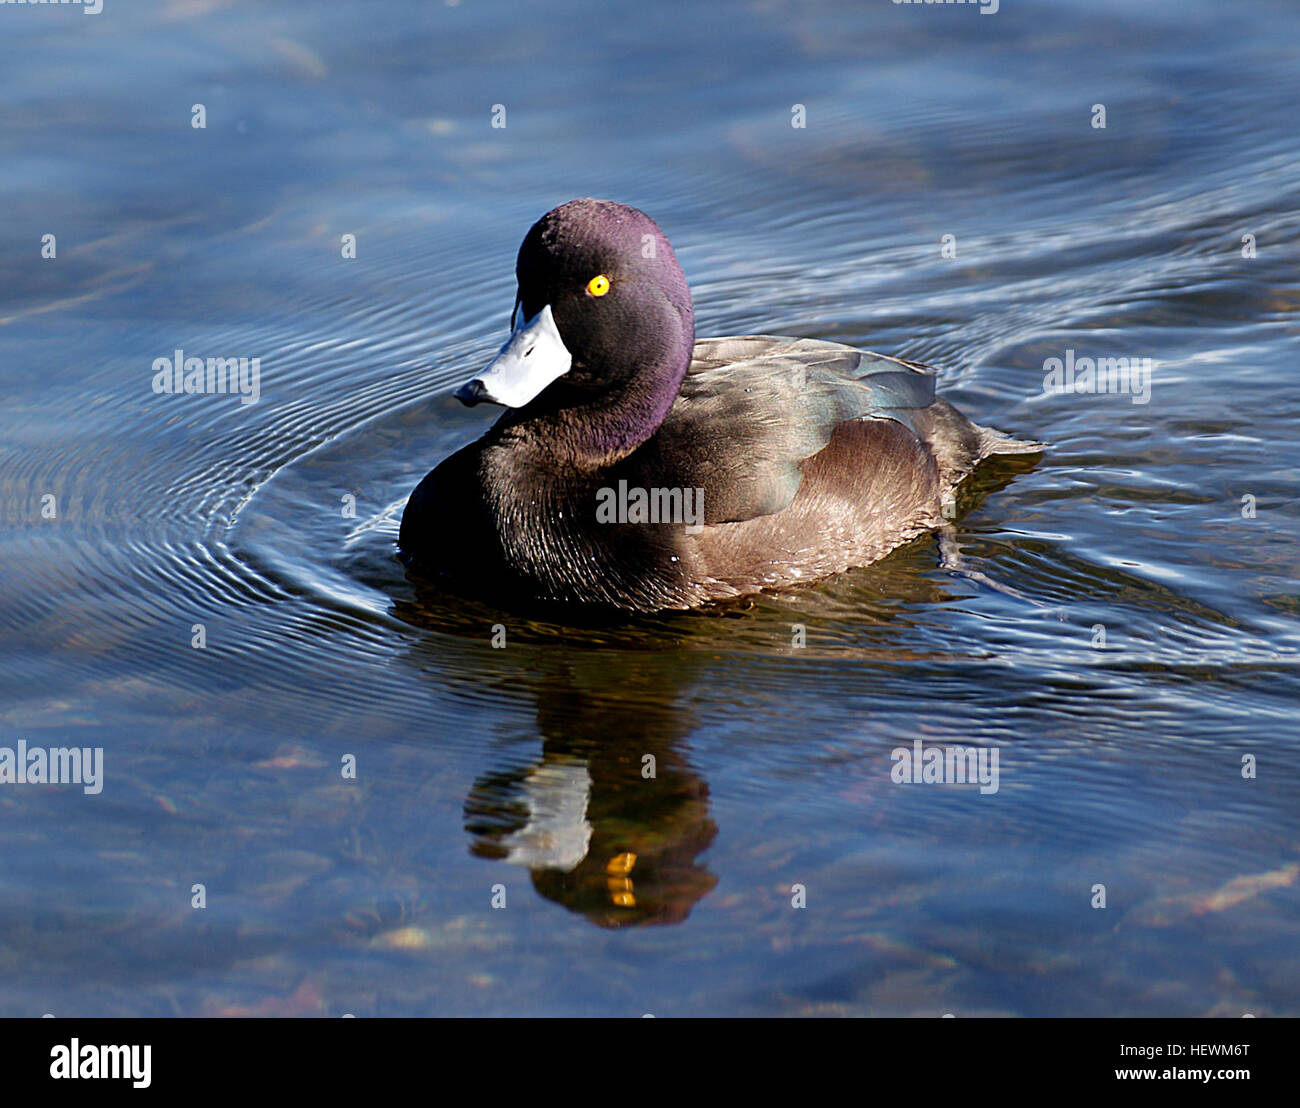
{"x":777,"y":400}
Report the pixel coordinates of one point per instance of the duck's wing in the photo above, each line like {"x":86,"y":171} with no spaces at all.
{"x":753,"y":408}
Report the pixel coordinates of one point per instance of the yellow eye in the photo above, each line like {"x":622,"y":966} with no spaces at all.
{"x":598,"y":285}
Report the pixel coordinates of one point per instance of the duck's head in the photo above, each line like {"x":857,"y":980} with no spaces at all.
{"x":602,"y":316}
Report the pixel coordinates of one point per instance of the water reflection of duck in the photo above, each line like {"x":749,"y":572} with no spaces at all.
{"x":611,"y":820}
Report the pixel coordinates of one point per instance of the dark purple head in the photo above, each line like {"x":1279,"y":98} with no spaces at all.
{"x":604,"y":312}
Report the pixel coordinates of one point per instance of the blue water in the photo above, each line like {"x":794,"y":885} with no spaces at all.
{"x":1119,"y":621}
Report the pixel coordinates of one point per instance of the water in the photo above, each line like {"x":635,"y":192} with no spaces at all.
{"x":1120,"y":766}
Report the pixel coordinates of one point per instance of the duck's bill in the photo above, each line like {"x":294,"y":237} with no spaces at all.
{"x":531,"y":359}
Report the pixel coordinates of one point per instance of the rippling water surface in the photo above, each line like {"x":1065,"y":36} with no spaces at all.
{"x":1117,"y":619}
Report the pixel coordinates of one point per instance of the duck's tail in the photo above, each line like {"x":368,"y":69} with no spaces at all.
{"x":995,"y":442}
{"x":958,"y":445}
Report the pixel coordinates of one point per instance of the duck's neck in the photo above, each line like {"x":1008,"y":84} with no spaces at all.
{"x":592,"y":430}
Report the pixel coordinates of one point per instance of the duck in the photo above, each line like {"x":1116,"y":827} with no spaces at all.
{"x":638,"y":468}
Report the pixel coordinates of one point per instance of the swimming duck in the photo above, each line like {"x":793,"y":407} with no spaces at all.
{"x":639,"y":468}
